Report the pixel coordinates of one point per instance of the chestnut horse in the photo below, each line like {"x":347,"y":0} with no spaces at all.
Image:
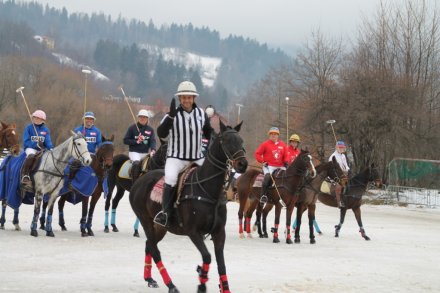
{"x":201,"y":208}
{"x":282,"y":194}
{"x":9,"y":138}
{"x":353,"y":197}
{"x":101,"y":163}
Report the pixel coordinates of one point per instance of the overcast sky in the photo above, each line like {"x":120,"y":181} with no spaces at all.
{"x":284,"y":23}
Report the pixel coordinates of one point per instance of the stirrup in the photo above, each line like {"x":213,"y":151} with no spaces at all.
{"x":263,"y":199}
{"x":161,"y":219}
{"x":25,"y":178}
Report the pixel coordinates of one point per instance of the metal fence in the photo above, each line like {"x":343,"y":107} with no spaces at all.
{"x":411,"y":195}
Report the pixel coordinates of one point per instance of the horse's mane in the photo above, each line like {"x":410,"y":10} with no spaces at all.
{"x":322,"y":166}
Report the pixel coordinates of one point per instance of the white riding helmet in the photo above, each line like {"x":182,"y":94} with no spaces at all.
{"x":187,"y":88}
{"x":144,"y":113}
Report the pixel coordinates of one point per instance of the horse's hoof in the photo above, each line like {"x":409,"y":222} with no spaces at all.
{"x":63,"y":228}
{"x":297,"y":240}
{"x":34,"y":233}
{"x":265,"y":235}
{"x":289,"y":241}
{"x":319,"y":232}
{"x":367,"y":238}
{"x":201,"y":288}
{"x":106,"y":230}
{"x":276,"y":240}
{"x":90,"y":232}
{"x":254,"y":228}
{"x":17,"y":227}
{"x":50,"y":234}
{"x":84,"y":234}
{"x":312,"y":241}
{"x":241,"y":236}
{"x":249,"y":235}
{"x":173,"y":290}
{"x":114,"y":228}
{"x":151,"y":283}
{"x":336,"y":235}
{"x":136,"y":233}
{"x":261,"y":235}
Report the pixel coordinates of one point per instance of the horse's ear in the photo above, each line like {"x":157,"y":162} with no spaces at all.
{"x":4,"y":125}
{"x":238,"y":126}
{"x":112,"y":137}
{"x":103,"y":138}
{"x":334,"y":160}
{"x":13,"y":125}
{"x":222,"y":127}
{"x":372,"y":166}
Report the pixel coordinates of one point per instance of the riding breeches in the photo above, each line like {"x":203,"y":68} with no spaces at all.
{"x":134,"y":156}
{"x":270,"y":169}
{"x":30,"y":151}
{"x":173,"y":167}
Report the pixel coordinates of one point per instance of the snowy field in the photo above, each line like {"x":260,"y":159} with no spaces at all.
{"x":402,"y":256}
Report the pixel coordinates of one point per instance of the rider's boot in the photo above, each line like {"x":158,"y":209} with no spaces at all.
{"x":26,"y":182}
{"x":264,"y":188}
{"x":338,"y":193}
{"x":167,"y":203}
{"x":135,"y":170}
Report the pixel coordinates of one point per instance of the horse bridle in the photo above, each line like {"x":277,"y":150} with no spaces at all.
{"x":75,"y":148}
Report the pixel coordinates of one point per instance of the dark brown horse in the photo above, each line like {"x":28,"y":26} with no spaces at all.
{"x":9,"y":138}
{"x":101,"y":163}
{"x":157,"y":161}
{"x":201,"y":208}
{"x":309,"y":195}
{"x":282,"y":194}
{"x":357,"y":186}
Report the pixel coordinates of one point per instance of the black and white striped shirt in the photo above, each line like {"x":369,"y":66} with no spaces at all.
{"x":185,"y":133}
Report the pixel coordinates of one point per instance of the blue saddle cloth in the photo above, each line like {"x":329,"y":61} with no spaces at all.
{"x":83,"y":184}
{"x":10,"y":182}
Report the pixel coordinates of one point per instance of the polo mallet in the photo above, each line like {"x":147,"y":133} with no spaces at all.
{"x":276,"y":188}
{"x":129,"y":107}
{"x":331,"y":124}
{"x":20,"y":90}
{"x":86,"y":73}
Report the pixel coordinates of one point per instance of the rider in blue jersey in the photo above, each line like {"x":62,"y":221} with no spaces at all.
{"x":36,"y":137}
{"x":90,"y":132}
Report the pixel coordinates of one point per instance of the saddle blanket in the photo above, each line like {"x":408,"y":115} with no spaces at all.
{"x":124,"y":171}
{"x":157,"y":192}
{"x":325,"y":187}
{"x":83,"y":184}
{"x":258,"y":181}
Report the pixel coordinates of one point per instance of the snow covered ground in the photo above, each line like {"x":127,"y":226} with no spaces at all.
{"x":402,"y":256}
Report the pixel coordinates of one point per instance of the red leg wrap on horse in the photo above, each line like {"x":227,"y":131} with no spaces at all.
{"x":224,"y":285}
{"x":163,"y":272}
{"x":203,"y":274}
{"x":147,"y":267}
{"x":248,"y":225}
{"x":240,"y":226}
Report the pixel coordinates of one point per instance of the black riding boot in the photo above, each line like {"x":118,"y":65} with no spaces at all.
{"x":264,"y":187}
{"x":167,"y":204}
{"x":26,"y":182}
{"x":135,"y":170}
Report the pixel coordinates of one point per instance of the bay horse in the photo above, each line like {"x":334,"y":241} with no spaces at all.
{"x":9,"y":138}
{"x":101,"y":163}
{"x":283,"y":194}
{"x":309,"y":195}
{"x":201,"y":208}
{"x":352,"y":198}
{"x":48,"y":177}
{"x":9,"y":141}
{"x":157,"y":161}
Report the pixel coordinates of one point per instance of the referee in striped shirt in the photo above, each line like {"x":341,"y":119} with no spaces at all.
{"x":184,"y":128}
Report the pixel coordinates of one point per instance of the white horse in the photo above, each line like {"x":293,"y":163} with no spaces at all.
{"x":48,"y":177}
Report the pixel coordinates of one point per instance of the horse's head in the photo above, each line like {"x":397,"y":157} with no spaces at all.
{"x":9,"y":138}
{"x":105,"y":152}
{"x":375,"y":176}
{"x":227,"y":147}
{"x":79,"y":149}
{"x":303,"y":163}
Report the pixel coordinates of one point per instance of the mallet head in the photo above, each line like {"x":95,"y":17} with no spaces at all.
{"x":330,"y":121}
{"x":20,"y":89}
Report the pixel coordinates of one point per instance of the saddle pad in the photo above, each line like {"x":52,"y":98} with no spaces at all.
{"x":124,"y":172}
{"x":157,"y":192}
{"x":325,"y":187}
{"x":145,"y":164}
{"x":258,"y":181}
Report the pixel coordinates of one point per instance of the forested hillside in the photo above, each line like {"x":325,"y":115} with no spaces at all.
{"x":117,"y":48}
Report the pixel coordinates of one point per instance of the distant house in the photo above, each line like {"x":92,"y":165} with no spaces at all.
{"x":48,"y":42}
